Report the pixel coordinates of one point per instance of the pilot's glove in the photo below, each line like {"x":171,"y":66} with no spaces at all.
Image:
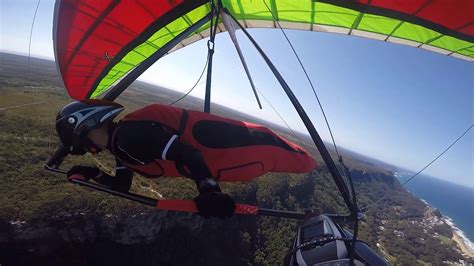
{"x":85,"y":171}
{"x":211,"y":202}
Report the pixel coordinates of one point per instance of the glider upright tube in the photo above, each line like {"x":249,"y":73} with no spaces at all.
{"x":55,"y":161}
{"x":231,"y":30}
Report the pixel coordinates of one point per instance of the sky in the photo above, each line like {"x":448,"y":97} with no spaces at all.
{"x":395,"y":103}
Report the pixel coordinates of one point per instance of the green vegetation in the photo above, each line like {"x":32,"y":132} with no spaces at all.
{"x":123,"y":232}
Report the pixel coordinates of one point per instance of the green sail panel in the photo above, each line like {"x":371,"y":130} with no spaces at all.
{"x":307,"y":15}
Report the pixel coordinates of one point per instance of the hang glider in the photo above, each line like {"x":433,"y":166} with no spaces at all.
{"x":102,"y":46}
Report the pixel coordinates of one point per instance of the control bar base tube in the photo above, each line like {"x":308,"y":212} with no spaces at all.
{"x":184,"y":205}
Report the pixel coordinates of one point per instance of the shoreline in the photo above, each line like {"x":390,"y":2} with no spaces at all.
{"x":464,"y":249}
{"x":463,"y":243}
{"x":459,"y":237}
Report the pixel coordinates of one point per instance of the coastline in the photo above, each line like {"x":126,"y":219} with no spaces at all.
{"x":459,"y":237}
{"x":463,"y":243}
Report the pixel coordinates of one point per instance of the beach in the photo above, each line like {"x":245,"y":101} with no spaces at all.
{"x":434,"y":193}
{"x":464,"y":244}
{"x":464,"y":248}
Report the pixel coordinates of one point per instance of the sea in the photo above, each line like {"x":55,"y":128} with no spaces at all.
{"x":455,"y":202}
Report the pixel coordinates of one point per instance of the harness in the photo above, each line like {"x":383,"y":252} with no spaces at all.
{"x":233,"y":150}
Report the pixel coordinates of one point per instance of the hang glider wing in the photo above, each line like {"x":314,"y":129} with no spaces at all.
{"x":100,"y":45}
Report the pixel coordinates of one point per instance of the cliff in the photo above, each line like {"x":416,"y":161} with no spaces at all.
{"x":151,"y":238}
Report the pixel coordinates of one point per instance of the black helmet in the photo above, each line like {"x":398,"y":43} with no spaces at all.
{"x":77,"y":118}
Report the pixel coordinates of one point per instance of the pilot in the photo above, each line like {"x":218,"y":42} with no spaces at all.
{"x":160,"y":140}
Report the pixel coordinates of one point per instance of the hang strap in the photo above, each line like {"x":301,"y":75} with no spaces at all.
{"x":182,"y":122}
{"x":210,"y":51}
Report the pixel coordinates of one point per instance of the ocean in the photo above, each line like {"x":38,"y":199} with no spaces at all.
{"x":452,"y":200}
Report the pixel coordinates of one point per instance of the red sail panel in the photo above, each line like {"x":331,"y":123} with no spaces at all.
{"x":457,"y":15}
{"x":90,"y":33}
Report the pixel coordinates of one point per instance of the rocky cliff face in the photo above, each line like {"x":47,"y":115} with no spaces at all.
{"x":400,"y":227}
{"x":153,"y":238}
{"x":366,"y":177}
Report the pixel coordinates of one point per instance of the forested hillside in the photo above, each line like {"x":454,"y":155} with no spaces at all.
{"x":46,"y":220}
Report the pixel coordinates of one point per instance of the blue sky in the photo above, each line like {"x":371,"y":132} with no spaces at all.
{"x":395,"y":103}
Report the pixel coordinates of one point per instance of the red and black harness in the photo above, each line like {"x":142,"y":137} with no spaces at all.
{"x":232,"y":150}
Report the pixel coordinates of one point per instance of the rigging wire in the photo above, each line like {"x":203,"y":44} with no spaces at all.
{"x":208,"y":64}
{"x":195,"y":84}
{"x":29,"y":75}
{"x":422,"y":169}
{"x":345,"y":173}
{"x":437,"y":157}
{"x":307,"y":77}
{"x":279,"y":115}
{"x":29,"y":56}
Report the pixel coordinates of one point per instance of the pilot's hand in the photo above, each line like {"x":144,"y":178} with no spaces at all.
{"x":215,"y":204}
{"x":86,"y":171}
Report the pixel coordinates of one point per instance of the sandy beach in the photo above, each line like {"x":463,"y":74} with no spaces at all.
{"x":464,"y":248}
